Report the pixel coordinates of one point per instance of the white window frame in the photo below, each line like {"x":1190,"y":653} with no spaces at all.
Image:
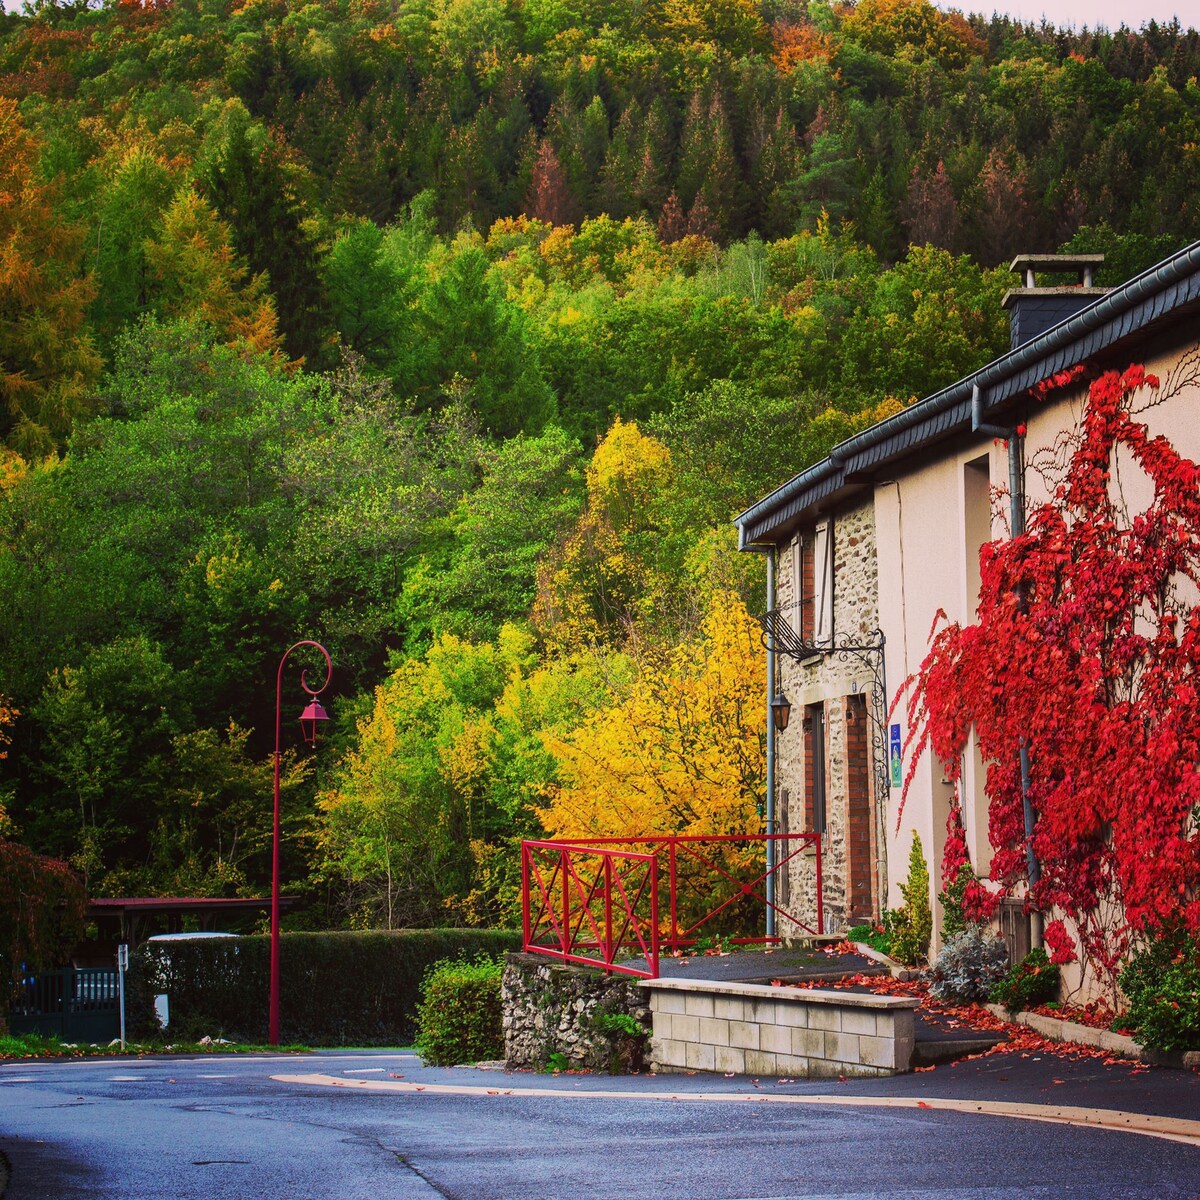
{"x":798,"y":586}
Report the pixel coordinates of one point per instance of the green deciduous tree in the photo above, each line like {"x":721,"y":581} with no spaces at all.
{"x":531,"y":489}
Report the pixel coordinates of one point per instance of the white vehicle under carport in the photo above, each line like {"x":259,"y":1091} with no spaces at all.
{"x":161,"y":964}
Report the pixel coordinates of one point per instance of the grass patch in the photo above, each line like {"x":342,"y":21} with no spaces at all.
{"x":871,"y":935}
{"x":33,"y":1045}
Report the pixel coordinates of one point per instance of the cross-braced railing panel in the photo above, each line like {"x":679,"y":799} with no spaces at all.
{"x":590,"y":905}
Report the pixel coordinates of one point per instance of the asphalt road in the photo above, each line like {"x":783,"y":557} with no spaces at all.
{"x":225,"y":1128}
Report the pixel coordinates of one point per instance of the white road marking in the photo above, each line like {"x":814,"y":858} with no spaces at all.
{"x":1171,"y":1129}
{"x":363,"y":1071}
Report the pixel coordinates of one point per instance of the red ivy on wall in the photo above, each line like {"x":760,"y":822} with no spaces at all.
{"x":1087,"y":644}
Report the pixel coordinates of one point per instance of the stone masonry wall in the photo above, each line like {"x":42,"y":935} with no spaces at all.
{"x":549,"y":1008}
{"x":828,"y":679}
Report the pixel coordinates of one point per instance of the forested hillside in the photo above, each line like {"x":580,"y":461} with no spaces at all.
{"x":453,"y":334}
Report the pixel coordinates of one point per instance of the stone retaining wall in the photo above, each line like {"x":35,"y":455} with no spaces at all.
{"x":550,"y":1007}
{"x":748,"y":1028}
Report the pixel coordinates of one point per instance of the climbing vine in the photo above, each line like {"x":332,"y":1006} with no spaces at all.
{"x":1087,"y":645}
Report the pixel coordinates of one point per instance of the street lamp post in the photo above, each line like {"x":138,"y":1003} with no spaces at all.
{"x":310,"y":720}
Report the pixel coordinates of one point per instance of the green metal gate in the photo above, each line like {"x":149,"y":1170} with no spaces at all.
{"x":76,"y":1004}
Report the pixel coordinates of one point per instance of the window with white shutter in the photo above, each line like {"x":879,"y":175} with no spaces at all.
{"x":822,"y":576}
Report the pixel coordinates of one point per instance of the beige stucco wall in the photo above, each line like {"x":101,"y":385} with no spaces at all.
{"x":929,"y":533}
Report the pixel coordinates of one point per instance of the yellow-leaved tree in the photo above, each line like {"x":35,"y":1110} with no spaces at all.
{"x":423,"y":821}
{"x":195,"y":272}
{"x":612,"y":572}
{"x":682,"y":752}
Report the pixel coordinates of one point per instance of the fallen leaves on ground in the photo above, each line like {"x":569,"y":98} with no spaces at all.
{"x":1019,"y":1039}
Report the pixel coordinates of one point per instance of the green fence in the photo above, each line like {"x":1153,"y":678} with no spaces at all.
{"x":76,"y":1004}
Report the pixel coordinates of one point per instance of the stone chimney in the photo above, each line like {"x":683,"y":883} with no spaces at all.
{"x":1032,"y":309}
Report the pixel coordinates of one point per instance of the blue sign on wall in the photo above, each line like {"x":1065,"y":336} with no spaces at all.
{"x":894,"y":756}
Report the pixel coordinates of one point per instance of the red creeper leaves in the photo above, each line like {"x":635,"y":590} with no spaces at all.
{"x":1087,"y":645}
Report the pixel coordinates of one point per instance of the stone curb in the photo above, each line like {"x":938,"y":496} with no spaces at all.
{"x":763,"y":991}
{"x":898,"y":970}
{"x":1059,"y":1030}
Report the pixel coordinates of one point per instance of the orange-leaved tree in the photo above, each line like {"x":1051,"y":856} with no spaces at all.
{"x":48,"y":363}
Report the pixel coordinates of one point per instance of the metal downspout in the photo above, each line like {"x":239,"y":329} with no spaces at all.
{"x":1016,"y":494}
{"x":1016,"y":489}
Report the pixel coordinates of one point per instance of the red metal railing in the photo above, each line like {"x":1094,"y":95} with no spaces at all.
{"x":586,"y":905}
{"x":598,"y":900}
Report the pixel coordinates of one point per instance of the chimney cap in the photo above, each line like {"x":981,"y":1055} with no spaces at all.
{"x":1055,"y":262}
{"x":1051,"y":264}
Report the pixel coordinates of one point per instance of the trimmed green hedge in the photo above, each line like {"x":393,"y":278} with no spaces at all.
{"x":336,"y":989}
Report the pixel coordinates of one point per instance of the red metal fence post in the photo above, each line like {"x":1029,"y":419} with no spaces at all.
{"x":566,"y":900}
{"x":652,"y":962}
{"x":609,"y":949}
{"x":673,"y":881}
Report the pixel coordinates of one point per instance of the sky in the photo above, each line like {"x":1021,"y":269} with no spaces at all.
{"x":1078,"y":13}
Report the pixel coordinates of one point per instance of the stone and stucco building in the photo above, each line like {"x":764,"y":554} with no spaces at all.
{"x":869,"y":545}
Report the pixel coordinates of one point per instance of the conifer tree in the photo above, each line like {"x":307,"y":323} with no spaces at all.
{"x":616,"y":186}
{"x":774,"y":161}
{"x":700,"y":222}
{"x":1003,"y":220}
{"x":930,"y":214}
{"x":194,"y":273}
{"x":876,"y":224}
{"x":672,"y":225}
{"x":254,"y":189}
{"x":695,"y":150}
{"x":550,"y":197}
{"x":654,"y":168}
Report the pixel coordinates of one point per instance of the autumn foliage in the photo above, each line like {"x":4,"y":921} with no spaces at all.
{"x":41,"y":900}
{"x":47,"y":360}
{"x":1087,"y":645}
{"x":681,"y":752}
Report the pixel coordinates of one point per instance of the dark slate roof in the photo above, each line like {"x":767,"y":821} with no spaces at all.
{"x":1148,"y":301}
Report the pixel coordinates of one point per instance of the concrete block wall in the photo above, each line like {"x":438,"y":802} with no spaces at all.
{"x":755,"y":1029}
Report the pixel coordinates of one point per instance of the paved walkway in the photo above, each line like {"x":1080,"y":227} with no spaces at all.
{"x":792,"y":964}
